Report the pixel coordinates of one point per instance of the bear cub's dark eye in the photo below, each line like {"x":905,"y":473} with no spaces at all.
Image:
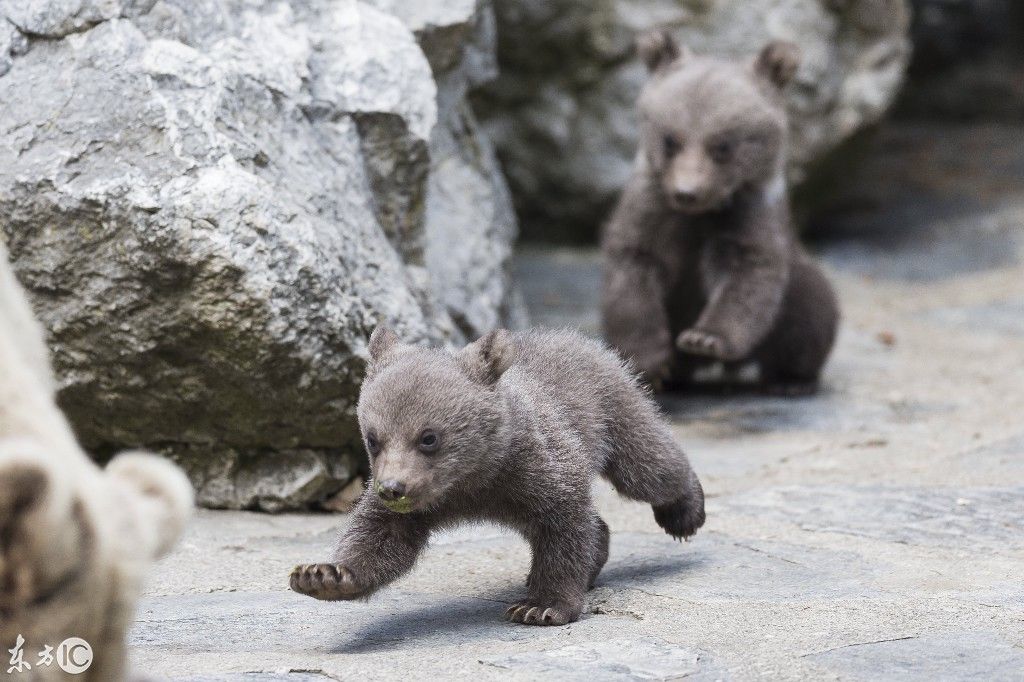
{"x":673,"y":145}
{"x":372,"y":444}
{"x":720,"y":151}
{"x":428,"y":441}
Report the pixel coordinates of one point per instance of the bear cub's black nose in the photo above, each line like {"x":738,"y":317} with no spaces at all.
{"x":391,"y":490}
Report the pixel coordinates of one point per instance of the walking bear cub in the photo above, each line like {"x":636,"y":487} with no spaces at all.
{"x":512,"y":429}
{"x":701,"y":264}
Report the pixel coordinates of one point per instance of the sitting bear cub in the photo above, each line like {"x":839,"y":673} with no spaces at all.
{"x":512,"y":429}
{"x":701,"y":264}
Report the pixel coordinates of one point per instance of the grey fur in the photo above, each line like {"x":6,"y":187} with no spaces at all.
{"x":524,"y":422}
{"x":701,"y":262}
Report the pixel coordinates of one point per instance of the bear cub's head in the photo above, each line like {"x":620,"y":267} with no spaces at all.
{"x":710,"y":128}
{"x":432,"y":421}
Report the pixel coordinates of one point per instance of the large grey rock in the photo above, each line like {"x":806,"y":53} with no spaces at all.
{"x":214,"y":202}
{"x":12,"y":42}
{"x":468,"y":201}
{"x":58,"y":18}
{"x":561,"y":113}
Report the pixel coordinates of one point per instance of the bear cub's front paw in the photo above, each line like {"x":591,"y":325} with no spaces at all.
{"x":330,"y":582}
{"x":539,"y":613}
{"x":705,"y":344}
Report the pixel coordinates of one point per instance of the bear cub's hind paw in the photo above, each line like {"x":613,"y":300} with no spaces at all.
{"x":680,"y":518}
{"x":705,"y":344}
{"x":329,"y":582}
{"x":537,"y":613}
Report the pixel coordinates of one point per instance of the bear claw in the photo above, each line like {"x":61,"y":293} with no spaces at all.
{"x":529,"y":613}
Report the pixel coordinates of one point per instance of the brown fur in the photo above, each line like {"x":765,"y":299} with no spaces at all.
{"x":511,"y":430}
{"x":701,"y":262}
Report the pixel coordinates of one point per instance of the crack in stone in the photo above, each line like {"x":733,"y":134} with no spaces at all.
{"x":660,"y":596}
{"x":292,"y":671}
{"x":85,"y":27}
{"x":602,"y":610}
{"x":848,"y":646}
{"x":768,"y":554}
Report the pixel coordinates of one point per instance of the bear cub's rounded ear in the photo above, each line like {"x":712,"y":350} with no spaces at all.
{"x":384,"y":347}
{"x":778,"y":62}
{"x":658,"y":49}
{"x":382,"y":341}
{"x":487,"y":358}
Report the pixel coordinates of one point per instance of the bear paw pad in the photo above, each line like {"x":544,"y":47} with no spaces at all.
{"x":329,"y":582}
{"x":705,"y":344}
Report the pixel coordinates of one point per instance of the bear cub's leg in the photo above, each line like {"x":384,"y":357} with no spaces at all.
{"x":379,"y":547}
{"x":568,"y":554}
{"x":792,"y":355}
{"x":645,"y":463}
{"x":635,"y":318}
{"x":600,"y":557}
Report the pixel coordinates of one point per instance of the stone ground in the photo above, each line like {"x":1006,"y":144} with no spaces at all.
{"x":874,"y":531}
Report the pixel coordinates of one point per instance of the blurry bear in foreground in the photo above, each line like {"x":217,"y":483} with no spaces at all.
{"x":701,"y":263}
{"x":512,"y":430}
{"x":75,"y":541}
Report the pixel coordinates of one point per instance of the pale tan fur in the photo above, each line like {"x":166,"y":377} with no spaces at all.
{"x":75,"y":541}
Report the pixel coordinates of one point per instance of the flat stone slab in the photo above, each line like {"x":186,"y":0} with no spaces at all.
{"x":968,"y":519}
{"x":979,"y":656}
{"x":873,"y":531}
{"x":286,"y":676}
{"x":614,"y":659}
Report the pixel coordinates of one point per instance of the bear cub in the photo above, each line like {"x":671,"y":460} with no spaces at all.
{"x":512,"y":429}
{"x":701,"y":265}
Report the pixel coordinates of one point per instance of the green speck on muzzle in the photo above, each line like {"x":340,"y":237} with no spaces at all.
{"x":403,"y":505}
